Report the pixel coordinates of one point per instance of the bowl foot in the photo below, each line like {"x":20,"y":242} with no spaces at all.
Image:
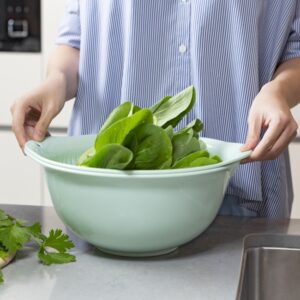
{"x":137,"y":254}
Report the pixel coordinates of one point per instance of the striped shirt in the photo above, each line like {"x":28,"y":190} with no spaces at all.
{"x":142,"y":50}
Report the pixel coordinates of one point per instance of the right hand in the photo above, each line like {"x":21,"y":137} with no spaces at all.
{"x":34,"y":111}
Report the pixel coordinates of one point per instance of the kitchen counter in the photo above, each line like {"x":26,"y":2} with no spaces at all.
{"x":206,"y":268}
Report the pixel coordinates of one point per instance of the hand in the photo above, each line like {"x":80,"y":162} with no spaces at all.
{"x":269,"y":111}
{"x":33,"y":112}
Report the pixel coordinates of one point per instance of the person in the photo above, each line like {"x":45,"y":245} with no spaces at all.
{"x":242,"y":57}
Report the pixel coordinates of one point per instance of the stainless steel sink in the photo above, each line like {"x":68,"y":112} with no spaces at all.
{"x":270,"y":268}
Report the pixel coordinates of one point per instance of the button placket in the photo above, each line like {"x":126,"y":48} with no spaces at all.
{"x":183,"y":46}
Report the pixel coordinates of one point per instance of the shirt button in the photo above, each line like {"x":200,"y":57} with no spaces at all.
{"x":182,"y":48}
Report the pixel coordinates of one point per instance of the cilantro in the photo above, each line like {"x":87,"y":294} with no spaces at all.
{"x":15,"y":234}
{"x":14,"y":237}
{"x":59,"y":242}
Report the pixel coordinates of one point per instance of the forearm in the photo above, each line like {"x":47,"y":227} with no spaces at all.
{"x":286,"y":81}
{"x":63,"y":66}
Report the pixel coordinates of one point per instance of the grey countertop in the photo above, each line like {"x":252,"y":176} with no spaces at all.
{"x":206,"y":268}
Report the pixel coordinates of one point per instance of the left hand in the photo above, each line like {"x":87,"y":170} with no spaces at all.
{"x":270,"y":111}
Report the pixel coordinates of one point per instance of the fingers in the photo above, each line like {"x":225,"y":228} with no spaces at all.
{"x":18,"y":120}
{"x":254,"y":130}
{"x":280,"y":133}
{"x":29,"y":122}
{"x":280,"y":145}
{"x":41,"y":127}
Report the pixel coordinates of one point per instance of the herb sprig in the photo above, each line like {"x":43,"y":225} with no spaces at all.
{"x":15,"y":234}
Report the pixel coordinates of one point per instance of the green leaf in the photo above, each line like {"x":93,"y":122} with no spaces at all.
{"x":6,"y":223}
{"x":188,"y":160}
{"x":122,"y":111}
{"x":171,"y":110}
{"x":151,"y":146}
{"x":203,"y":161}
{"x":202,"y":145}
{"x":3,"y":215}
{"x":195,"y":125}
{"x":117,"y":132}
{"x":184,"y":144}
{"x":111,"y":156}
{"x":3,"y":253}
{"x":58,"y":241}
{"x":126,"y":126}
{"x":1,"y":277}
{"x":217,"y":158}
{"x":14,"y":237}
{"x":35,"y":229}
{"x":170,"y":131}
{"x":49,"y":258}
{"x":86,"y":156}
{"x":155,"y":107}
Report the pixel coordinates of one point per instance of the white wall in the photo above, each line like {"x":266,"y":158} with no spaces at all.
{"x":21,"y":179}
{"x":294,"y":149}
{"x":52,"y":13}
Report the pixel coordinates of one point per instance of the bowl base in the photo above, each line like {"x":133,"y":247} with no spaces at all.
{"x":137,"y":254}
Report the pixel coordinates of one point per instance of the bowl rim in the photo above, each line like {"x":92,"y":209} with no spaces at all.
{"x":31,"y":145}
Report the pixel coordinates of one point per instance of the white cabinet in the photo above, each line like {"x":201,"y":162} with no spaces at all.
{"x":52,"y":13}
{"x":21,"y":180}
{"x":295,"y":165}
{"x":296,"y":114}
{"x":19,"y":72}
{"x":20,"y":177}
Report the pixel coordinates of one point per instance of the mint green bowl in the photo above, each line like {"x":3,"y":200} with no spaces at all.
{"x":133,"y":213}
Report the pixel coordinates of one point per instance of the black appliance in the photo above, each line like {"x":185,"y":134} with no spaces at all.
{"x":20,"y":25}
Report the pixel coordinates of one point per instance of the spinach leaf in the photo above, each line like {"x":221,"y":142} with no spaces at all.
{"x":151,"y":146}
{"x":117,"y":132}
{"x":135,"y":138}
{"x":111,"y":156}
{"x":155,"y":107}
{"x":217,"y":158}
{"x":195,"y":125}
{"x":86,"y":156}
{"x":202,"y":145}
{"x":199,"y":158}
{"x":170,"y":111}
{"x":170,"y":131}
{"x":122,"y":111}
{"x":184,"y":144}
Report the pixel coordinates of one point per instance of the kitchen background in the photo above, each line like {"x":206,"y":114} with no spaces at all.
{"x":22,"y":180}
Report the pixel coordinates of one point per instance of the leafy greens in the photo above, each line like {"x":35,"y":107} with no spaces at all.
{"x":15,"y":234}
{"x":134,"y":138}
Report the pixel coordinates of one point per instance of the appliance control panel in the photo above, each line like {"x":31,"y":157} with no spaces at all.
{"x":20,"y":25}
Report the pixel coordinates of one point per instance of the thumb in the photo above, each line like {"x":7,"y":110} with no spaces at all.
{"x":254,"y":130}
{"x":41,"y":127}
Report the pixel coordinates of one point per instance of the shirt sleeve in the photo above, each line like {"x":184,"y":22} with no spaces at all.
{"x":69,"y":30}
{"x":292,"y":48}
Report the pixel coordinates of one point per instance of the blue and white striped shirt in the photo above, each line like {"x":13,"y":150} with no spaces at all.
{"x":142,"y":50}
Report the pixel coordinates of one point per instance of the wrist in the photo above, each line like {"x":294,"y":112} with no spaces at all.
{"x":280,"y":90}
